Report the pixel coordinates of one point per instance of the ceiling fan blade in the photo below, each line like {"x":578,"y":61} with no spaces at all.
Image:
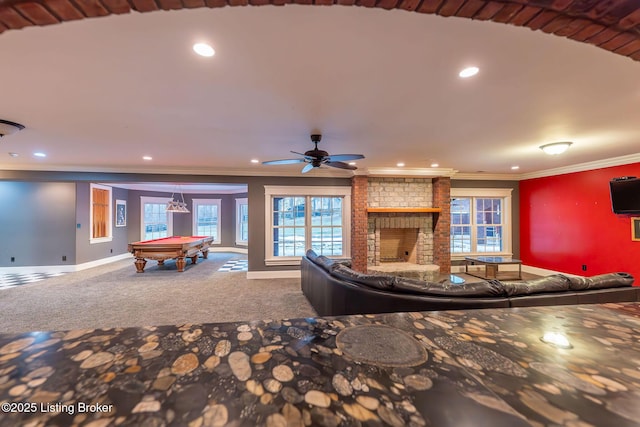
{"x":307,"y":167}
{"x":283,"y":162}
{"x":344,"y":157}
{"x":340,"y":165}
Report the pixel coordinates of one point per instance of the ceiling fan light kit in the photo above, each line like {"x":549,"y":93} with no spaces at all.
{"x":316,"y":158}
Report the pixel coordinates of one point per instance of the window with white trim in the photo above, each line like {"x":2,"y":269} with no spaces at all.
{"x":155,"y":221}
{"x":100,"y":213}
{"x":206,"y":218}
{"x":242,"y":221}
{"x":480,"y":221}
{"x":302,"y":218}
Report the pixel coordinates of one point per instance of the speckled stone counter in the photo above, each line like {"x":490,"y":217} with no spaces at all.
{"x":455,"y":368}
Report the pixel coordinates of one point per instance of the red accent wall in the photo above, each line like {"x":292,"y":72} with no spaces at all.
{"x":566,"y":221}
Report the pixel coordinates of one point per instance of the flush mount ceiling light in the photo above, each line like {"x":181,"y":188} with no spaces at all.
{"x":556,"y":147}
{"x":203,"y":49}
{"x":469,"y":72}
{"x":7,"y":127}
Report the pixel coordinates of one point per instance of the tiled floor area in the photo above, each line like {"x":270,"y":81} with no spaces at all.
{"x":12,"y":280}
{"x":235,"y":265}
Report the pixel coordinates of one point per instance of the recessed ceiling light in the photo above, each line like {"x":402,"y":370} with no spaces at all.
{"x":13,"y":154}
{"x":39,"y":154}
{"x":400,"y":164}
{"x":147,"y":158}
{"x":469,"y":72}
{"x":434,"y":165}
{"x":515,"y":167}
{"x":255,"y":161}
{"x":203,"y":49}
{"x":352,"y":163}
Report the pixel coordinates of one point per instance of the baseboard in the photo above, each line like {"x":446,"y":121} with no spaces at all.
{"x":544,"y":272}
{"x":228,"y":249}
{"x":62,"y":268}
{"x":278,"y":274}
{"x":103,"y":261}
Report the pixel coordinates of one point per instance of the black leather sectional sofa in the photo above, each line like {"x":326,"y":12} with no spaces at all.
{"x":334,"y":289}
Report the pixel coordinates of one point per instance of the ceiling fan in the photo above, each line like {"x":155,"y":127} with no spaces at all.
{"x":316,"y":158}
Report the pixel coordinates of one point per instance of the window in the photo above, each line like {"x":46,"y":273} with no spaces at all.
{"x":302,"y":218}
{"x":206,"y":218}
{"x":242,"y":222}
{"x":326,"y":225}
{"x":480,"y":221}
{"x":156,"y":221}
{"x":100,"y":213}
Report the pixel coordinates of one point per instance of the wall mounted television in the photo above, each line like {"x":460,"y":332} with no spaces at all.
{"x":625,"y":195}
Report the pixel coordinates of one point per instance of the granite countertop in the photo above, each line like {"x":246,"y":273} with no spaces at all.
{"x":448,"y":368}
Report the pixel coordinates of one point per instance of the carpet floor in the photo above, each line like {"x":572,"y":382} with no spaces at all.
{"x":114,"y":295}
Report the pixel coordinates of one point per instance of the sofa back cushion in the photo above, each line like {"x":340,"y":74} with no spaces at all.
{"x":377,"y":281}
{"x":483,"y":289}
{"x":311,"y":254}
{"x":601,"y":281}
{"x":553,"y":283}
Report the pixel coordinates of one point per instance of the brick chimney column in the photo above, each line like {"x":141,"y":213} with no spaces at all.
{"x":359,"y":189}
{"x":442,"y":224}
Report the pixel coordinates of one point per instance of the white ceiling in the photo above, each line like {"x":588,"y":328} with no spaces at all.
{"x":98,"y":94}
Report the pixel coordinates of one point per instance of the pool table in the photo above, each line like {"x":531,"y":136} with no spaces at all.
{"x":175,"y":247}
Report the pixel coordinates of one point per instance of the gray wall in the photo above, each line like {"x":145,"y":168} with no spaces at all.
{"x":37,"y":223}
{"x":515,"y":203}
{"x":94,"y":251}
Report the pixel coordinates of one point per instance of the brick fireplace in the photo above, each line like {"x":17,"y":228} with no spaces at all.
{"x":400,"y":220}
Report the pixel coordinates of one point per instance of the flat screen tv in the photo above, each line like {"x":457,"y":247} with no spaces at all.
{"x":625,"y":195}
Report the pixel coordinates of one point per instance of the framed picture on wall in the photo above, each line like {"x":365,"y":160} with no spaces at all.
{"x":635,"y":228}
{"x":121,"y":213}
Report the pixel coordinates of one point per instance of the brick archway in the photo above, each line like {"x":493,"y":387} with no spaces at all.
{"x":608,"y":24}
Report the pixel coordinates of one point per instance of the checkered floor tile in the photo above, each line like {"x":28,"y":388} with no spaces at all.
{"x":235,"y":265}
{"x":12,"y":280}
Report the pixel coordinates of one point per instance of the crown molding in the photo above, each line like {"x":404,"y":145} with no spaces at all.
{"x":582,"y":167}
{"x":487,"y":176}
{"x":267,"y":171}
{"x":407,"y":172}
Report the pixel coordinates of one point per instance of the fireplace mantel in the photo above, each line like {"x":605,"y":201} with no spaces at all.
{"x":404,"y":210}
